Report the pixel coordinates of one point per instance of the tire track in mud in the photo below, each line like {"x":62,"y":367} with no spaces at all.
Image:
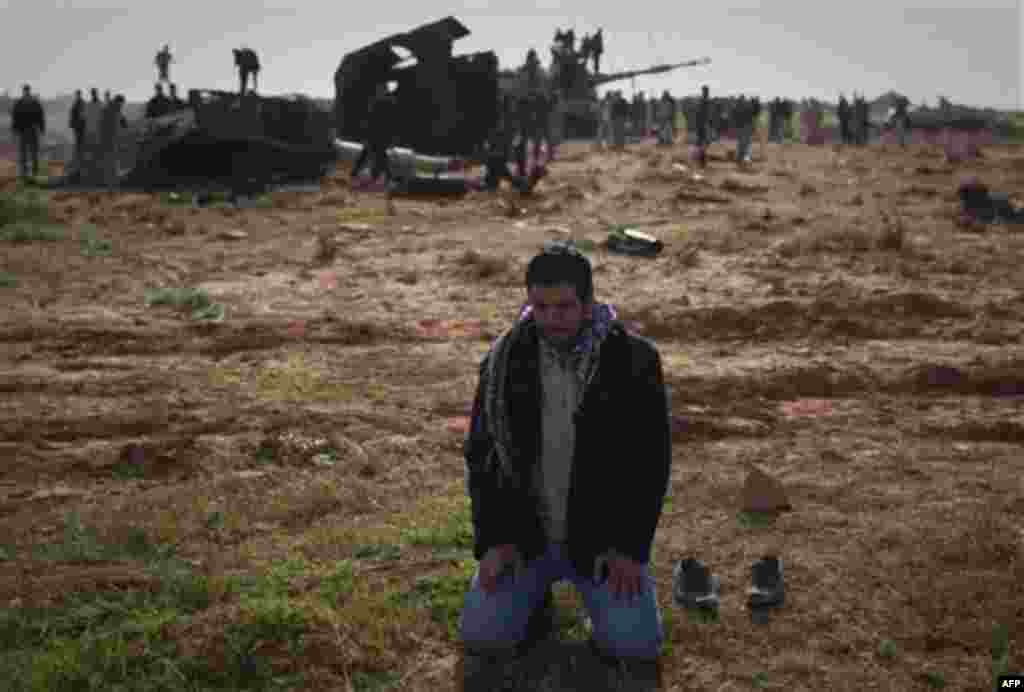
{"x":825,"y":381}
{"x":216,"y":340}
{"x":94,"y":387}
{"x":755,"y":404}
{"x":899,"y":316}
{"x":106,"y":427}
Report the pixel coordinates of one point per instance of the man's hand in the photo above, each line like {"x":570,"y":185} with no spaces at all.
{"x":625,"y":578}
{"x":493,"y":564}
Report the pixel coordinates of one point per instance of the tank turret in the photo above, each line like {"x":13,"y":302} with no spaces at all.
{"x":575,"y":87}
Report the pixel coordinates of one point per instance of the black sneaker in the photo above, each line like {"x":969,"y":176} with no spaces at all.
{"x":767,"y":589}
{"x":693,"y":585}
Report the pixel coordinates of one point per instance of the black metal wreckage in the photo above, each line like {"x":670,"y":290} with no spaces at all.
{"x":240,"y":141}
{"x":449,"y":103}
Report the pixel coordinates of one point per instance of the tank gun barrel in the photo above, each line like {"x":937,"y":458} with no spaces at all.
{"x":599,"y":79}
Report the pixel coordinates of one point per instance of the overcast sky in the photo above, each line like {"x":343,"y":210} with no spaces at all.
{"x":790,"y":48}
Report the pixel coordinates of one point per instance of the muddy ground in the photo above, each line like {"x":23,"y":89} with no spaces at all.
{"x":821,"y":316}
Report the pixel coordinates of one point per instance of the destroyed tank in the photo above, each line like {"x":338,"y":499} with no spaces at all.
{"x":223,"y":139}
{"x":577,"y":112}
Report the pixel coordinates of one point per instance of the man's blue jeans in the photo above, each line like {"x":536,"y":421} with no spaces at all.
{"x":497,"y":622}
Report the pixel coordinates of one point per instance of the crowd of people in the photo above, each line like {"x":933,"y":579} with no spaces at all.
{"x":526,"y":132}
{"x":95,"y":125}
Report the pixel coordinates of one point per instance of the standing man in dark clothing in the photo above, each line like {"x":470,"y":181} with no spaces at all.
{"x":742,"y":122}
{"x":526,"y":120}
{"x":76,"y":121}
{"x":499,"y":150}
{"x":703,"y":112}
{"x":531,"y":68}
{"x":248,"y":63}
{"x":547,"y":102}
{"x":620,"y":112}
{"x":787,"y":115}
{"x":863,"y":117}
{"x":499,"y":146}
{"x":176,"y":103}
{"x":568,"y":460}
{"x":902,"y":118}
{"x":775,"y":116}
{"x":163,"y":64}
{"x":381,"y":137}
{"x":597,"y":49}
{"x":28,"y":122}
{"x":110,"y":127}
{"x":844,"y":119}
{"x":159,"y":105}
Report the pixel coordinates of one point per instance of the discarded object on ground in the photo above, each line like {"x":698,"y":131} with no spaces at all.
{"x":763,"y":493}
{"x":693,"y":585}
{"x":404,"y":162}
{"x":767,"y":588}
{"x":978,"y":203}
{"x":627,"y":241}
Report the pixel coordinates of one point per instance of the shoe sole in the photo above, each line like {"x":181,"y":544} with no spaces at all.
{"x":766,"y":601}
{"x":705,"y":602}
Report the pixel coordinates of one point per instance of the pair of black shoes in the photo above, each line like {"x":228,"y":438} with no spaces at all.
{"x":695,"y":588}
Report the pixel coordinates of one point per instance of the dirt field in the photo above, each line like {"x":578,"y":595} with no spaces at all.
{"x":276,"y":500}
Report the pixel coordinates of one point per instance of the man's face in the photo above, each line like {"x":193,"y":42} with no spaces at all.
{"x":558,"y":311}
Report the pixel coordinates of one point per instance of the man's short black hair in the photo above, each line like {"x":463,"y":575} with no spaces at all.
{"x":561,"y":263}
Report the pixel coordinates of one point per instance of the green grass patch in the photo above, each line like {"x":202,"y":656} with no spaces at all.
{"x":454,"y":537}
{"x":442,"y":595}
{"x":934,"y":679}
{"x":753,"y":520}
{"x":23,"y":206}
{"x":569,"y":612}
{"x":266,"y":453}
{"x":196,"y":302}
{"x":759,"y":680}
{"x":113,"y":640}
{"x":887,"y":649}
{"x":175,"y":198}
{"x":1000,"y":651}
{"x":24,"y":232}
{"x":82,"y":544}
{"x":375,"y":682}
{"x":338,"y":584}
{"x":123,"y":641}
{"x":702,"y":616}
{"x":378,"y":551}
{"x":92,"y":246}
{"x":8,"y":280}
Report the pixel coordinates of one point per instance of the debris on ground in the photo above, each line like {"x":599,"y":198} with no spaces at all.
{"x":624,"y":240}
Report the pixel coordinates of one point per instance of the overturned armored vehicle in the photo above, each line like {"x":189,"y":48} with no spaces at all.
{"x":449,"y":104}
{"x":222,"y":138}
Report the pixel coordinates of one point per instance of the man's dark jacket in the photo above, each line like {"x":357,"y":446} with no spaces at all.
{"x":76,"y":121}
{"x":621,"y":462}
{"x":27,"y":116}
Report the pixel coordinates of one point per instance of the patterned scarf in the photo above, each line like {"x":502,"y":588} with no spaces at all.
{"x":584,"y":354}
